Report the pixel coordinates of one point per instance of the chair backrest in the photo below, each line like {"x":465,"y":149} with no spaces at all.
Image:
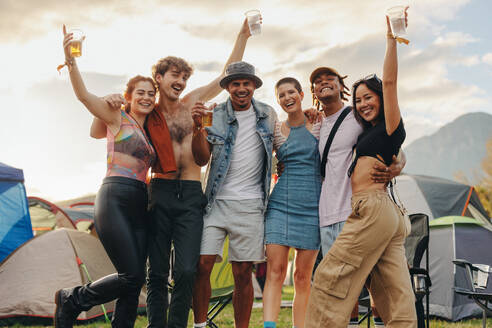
{"x":221,"y":278}
{"x":417,"y":241}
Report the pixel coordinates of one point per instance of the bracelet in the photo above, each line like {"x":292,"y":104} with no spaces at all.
{"x":197,"y":129}
{"x":69,"y":63}
{"x":390,"y":35}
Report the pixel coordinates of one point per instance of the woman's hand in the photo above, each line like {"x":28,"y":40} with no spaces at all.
{"x":67,"y":38}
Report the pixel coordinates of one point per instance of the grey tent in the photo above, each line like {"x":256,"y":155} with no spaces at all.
{"x":438,"y":197}
{"x":32,"y":274}
{"x":455,"y":237}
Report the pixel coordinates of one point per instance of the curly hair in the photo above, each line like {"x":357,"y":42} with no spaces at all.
{"x":343,"y":91}
{"x":130,"y":87}
{"x":164,"y":64}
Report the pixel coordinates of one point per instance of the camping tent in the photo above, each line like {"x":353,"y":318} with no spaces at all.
{"x":46,"y":216}
{"x":455,"y":237}
{"x":438,"y":197}
{"x":32,"y":274}
{"x":15,"y":223}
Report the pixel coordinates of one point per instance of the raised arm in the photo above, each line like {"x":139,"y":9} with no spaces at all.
{"x":212,"y":89}
{"x":390,"y":74}
{"x":97,"y":106}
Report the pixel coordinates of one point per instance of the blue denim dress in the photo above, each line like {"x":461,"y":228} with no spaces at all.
{"x":292,"y":214}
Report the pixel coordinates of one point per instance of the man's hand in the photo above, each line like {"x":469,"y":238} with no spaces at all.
{"x":115,"y":100}
{"x":383,"y":174}
{"x":245,"y":28}
{"x":313,"y":115}
{"x":197,"y":112}
{"x":280,"y":168}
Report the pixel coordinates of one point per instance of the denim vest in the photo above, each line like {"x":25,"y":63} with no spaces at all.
{"x":222,"y":136}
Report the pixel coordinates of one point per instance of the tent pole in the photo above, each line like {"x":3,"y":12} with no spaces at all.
{"x":428,"y":272}
{"x":82,"y":265}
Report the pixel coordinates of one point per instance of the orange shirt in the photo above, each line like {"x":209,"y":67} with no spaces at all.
{"x":161,"y":140}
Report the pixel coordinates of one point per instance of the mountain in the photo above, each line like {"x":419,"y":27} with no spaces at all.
{"x":457,"y":146}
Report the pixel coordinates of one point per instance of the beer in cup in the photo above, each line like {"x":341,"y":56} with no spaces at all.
{"x":207,"y":118}
{"x":76,"y":43}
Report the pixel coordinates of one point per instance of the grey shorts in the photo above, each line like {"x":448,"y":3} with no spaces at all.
{"x":329,"y":234}
{"x":242,"y":221}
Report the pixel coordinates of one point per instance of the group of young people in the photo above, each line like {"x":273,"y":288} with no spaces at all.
{"x":319,"y":191}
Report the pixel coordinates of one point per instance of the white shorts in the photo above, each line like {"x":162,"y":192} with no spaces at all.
{"x":243,"y":222}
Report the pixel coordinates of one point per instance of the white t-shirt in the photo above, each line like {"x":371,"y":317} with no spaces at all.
{"x":336,"y":190}
{"x":244,"y":177}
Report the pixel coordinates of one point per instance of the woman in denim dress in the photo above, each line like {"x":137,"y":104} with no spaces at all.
{"x":292,"y":215}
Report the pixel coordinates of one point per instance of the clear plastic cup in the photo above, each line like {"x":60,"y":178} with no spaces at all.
{"x":396,"y":17}
{"x":76,"y":43}
{"x":253,"y":17}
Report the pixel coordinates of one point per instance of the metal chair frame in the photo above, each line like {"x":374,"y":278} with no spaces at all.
{"x":480,"y":298}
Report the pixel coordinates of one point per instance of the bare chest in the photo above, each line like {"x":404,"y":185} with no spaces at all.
{"x":180,"y":125}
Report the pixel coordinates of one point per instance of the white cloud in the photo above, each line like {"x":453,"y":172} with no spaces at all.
{"x":487,"y":58}
{"x":125,"y":38}
{"x":453,"y":39}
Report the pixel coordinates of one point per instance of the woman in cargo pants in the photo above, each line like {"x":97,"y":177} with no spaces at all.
{"x":371,"y":243}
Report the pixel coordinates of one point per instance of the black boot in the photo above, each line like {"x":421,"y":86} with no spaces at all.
{"x":66,"y":310}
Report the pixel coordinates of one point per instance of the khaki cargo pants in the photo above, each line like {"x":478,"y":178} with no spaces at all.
{"x":370,"y":244}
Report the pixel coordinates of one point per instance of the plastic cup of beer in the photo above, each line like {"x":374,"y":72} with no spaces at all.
{"x":396,"y":17}
{"x":254,"y":24}
{"x":209,"y":112}
{"x":76,"y":43}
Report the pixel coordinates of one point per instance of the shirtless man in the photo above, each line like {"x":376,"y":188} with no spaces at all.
{"x":176,"y":197}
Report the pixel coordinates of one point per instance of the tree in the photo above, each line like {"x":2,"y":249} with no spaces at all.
{"x":484,"y":188}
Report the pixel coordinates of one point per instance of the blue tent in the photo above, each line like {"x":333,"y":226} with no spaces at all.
{"x":15,"y":222}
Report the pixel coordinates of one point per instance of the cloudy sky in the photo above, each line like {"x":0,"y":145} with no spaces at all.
{"x":444,"y":72}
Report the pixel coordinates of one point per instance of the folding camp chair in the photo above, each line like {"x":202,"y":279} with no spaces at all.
{"x":222,"y":283}
{"x":474,"y":282}
{"x":416,"y":244}
{"x":365,"y":301}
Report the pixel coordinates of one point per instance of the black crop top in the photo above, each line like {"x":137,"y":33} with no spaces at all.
{"x":375,"y":142}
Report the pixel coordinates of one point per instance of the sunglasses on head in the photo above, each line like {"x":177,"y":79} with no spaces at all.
{"x":369,"y":78}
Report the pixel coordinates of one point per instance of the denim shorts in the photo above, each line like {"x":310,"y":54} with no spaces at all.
{"x":329,"y":234}
{"x":240,"y":220}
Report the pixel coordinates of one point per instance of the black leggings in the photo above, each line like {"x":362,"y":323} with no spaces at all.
{"x":121,"y":224}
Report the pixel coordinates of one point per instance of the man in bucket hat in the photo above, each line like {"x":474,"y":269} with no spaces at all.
{"x":240,"y":144}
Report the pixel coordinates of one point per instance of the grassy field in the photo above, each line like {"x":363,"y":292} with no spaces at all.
{"x":226,"y":319}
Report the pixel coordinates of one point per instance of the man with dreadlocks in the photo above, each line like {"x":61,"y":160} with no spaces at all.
{"x":329,"y":91}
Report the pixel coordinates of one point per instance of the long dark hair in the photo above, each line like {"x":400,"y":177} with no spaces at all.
{"x":374,"y":84}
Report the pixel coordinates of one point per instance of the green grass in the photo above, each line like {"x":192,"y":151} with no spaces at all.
{"x":226,"y":318}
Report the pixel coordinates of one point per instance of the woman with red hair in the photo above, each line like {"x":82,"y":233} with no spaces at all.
{"x":121,"y":202}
